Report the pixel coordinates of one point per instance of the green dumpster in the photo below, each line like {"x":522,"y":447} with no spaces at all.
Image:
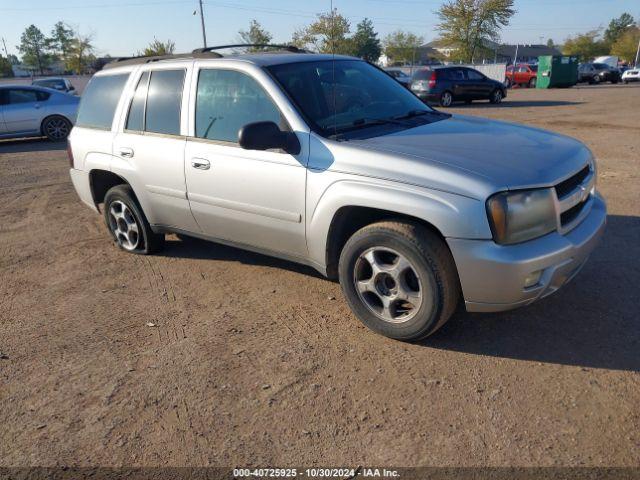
{"x":557,"y":71}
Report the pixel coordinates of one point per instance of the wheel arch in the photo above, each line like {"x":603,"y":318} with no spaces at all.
{"x":347,"y":206}
{"x":101,"y":181}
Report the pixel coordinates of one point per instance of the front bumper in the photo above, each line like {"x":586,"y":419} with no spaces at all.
{"x":493,"y":276}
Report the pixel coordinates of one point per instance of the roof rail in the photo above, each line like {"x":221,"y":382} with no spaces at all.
{"x":124,"y":61}
{"x":288,"y":48}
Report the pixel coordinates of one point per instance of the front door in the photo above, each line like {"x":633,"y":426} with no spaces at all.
{"x":249,"y":197}
{"x":22,"y":110}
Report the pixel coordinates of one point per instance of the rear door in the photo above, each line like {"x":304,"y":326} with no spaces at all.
{"x":149,"y":146}
{"x":22,"y":111}
{"x":248,"y":197}
{"x":458,"y":83}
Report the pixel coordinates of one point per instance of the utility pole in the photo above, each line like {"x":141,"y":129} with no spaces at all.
{"x":7,"y":53}
{"x":204,"y":34}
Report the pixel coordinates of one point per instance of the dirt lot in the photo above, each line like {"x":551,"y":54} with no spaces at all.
{"x":258,"y":361}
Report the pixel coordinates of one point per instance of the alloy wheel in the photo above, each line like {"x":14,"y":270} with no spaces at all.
{"x":447,"y":99}
{"x":57,"y":128}
{"x":387,"y":284}
{"x":124,"y":225}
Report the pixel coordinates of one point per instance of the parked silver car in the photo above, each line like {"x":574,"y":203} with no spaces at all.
{"x":28,"y":111}
{"x":329,"y":162}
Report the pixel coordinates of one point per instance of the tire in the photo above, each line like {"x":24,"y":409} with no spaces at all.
{"x":56,"y":128}
{"x":446,"y":99}
{"x":626,"y":82}
{"x":496,"y":96}
{"x":532,"y":83}
{"x":420,"y":296}
{"x":508,"y":83}
{"x":127,"y":224}
{"x":596,"y":79}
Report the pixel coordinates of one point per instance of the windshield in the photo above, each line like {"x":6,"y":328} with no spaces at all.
{"x":343,"y":95}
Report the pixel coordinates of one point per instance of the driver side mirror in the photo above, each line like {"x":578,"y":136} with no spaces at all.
{"x":267,"y":135}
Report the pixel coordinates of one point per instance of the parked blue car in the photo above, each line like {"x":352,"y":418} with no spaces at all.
{"x":28,"y":111}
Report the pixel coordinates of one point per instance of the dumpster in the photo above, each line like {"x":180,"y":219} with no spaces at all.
{"x":557,"y":71}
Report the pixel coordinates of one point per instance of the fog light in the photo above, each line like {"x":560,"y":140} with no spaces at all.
{"x":532,"y":279}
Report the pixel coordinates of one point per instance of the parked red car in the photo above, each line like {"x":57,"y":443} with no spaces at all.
{"x":524,"y":74}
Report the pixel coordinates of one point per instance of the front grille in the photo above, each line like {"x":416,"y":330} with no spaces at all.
{"x":570,"y":184}
{"x":570,"y":215}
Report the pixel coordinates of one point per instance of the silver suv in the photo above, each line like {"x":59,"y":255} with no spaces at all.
{"x":328,"y":161}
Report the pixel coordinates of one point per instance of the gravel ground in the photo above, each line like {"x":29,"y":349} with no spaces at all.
{"x":208,"y":355}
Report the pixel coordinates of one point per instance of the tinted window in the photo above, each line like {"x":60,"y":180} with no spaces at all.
{"x":474,"y":75}
{"x":22,"y":96}
{"x":56,"y":84}
{"x":163,"y":102}
{"x":226,"y":101}
{"x":99,"y":101}
{"x":455,"y":74}
{"x":534,"y":68}
{"x":135,"y":120}
{"x":422,"y":75}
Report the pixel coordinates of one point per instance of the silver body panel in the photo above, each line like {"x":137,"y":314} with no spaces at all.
{"x":283,"y":205}
{"x":25,"y":119}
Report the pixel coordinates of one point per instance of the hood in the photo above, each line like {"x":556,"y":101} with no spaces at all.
{"x":504,"y":155}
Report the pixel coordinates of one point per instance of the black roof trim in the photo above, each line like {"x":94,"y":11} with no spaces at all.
{"x":287,"y":48}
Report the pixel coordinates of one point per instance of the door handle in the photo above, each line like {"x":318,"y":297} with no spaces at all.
{"x":200,"y":163}
{"x":36,"y":106}
{"x":126,"y":152}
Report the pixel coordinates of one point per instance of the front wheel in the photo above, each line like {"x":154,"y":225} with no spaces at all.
{"x":446,"y":99}
{"x":56,"y":128}
{"x":532,"y":83}
{"x":496,"y":96}
{"x":127,"y":224}
{"x":399,"y":279}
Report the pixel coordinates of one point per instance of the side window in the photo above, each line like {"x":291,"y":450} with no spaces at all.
{"x":164,"y":101}
{"x":22,"y":96}
{"x":227,"y":100}
{"x":135,"y":120}
{"x":473,"y":75}
{"x":456,"y":74}
{"x":100,"y":100}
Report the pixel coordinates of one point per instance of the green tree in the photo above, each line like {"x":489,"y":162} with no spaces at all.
{"x":585,"y":45}
{"x":626,"y":47}
{"x":80,"y":56}
{"x":61,"y":40}
{"x":365,"y":43}
{"x":401,"y":47}
{"x":617,"y":27}
{"x":33,"y":46}
{"x":255,"y":35}
{"x":550,"y":43}
{"x":467,"y":25}
{"x":5,"y":67}
{"x":328,"y":34}
{"x":159,"y":48}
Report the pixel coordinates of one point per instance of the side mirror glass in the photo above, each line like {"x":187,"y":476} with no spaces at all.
{"x":266,"y":136}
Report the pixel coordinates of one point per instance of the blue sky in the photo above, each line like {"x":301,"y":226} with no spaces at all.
{"x":123,"y":27}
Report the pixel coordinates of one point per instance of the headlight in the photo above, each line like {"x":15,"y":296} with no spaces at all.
{"x":522,"y":215}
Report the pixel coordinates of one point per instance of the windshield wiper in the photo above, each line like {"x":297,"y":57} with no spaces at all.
{"x":368,"y":122}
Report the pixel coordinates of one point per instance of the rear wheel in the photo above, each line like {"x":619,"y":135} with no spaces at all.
{"x":596,"y":79}
{"x":56,"y":128}
{"x":446,"y":99}
{"x":127,"y":224}
{"x":399,"y":279}
{"x":496,"y":96}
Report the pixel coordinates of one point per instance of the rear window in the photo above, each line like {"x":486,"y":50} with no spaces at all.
{"x":422,"y":75}
{"x":99,"y":101}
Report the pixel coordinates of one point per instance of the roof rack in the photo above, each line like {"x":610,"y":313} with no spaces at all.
{"x":207,"y":52}
{"x":288,"y":48}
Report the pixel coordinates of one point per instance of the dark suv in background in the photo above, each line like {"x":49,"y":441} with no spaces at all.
{"x":598,"y":73}
{"x":445,"y":85}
